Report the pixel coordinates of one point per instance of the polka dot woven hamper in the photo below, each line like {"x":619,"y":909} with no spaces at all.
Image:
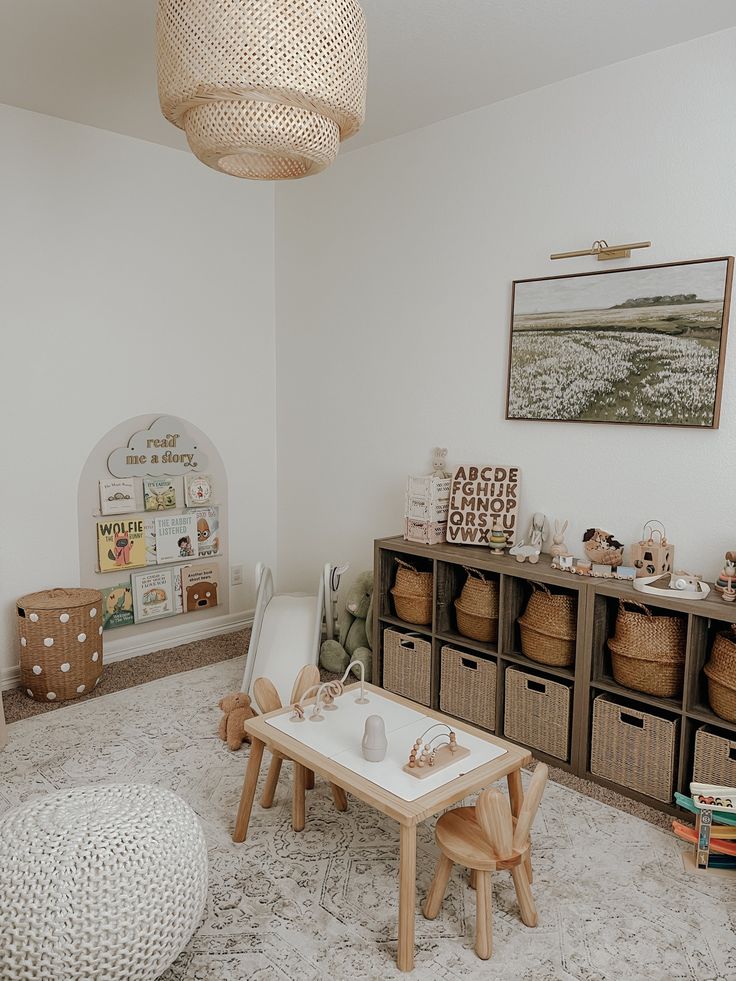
{"x":60,"y":633}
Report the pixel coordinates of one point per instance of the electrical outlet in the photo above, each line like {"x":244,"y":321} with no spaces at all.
{"x":236,"y":575}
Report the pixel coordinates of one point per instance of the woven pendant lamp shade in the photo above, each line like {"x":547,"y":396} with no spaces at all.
{"x":264,"y":89}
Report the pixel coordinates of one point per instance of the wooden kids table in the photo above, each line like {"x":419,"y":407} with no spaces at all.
{"x":407,"y":813}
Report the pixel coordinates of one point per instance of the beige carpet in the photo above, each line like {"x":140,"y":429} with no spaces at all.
{"x":160,"y":664}
{"x":614,"y":900}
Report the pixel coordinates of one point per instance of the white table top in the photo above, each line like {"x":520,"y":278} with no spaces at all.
{"x":340,"y":735}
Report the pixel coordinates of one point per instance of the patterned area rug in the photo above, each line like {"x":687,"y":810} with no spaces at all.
{"x":614,"y":901}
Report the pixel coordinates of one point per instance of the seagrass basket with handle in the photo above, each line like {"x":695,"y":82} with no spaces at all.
{"x":548,"y":627}
{"x":412,"y":593}
{"x":721,"y":674}
{"x":648,"y":650}
{"x":476,"y":608}
{"x":60,"y":634}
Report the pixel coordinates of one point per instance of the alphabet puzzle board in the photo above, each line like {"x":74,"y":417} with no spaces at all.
{"x":478,"y":495}
{"x":340,"y":735}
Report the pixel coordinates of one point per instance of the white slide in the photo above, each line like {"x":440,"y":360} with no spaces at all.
{"x":287,"y":629}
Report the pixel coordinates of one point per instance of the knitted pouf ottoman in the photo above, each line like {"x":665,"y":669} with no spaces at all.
{"x":105,"y":882}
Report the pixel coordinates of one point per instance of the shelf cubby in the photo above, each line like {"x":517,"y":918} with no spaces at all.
{"x":592,"y":672}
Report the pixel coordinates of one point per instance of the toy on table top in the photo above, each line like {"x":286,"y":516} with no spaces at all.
{"x":375,"y":743}
{"x":325,"y":695}
{"x":236,"y":709}
{"x":650,"y":556}
{"x":497,"y":540}
{"x":426,"y":758}
{"x":724,"y":583}
{"x":354,"y":631}
{"x":538,"y":530}
{"x":602,"y":548}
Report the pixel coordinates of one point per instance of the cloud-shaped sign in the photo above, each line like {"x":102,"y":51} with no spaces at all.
{"x":163,"y":450}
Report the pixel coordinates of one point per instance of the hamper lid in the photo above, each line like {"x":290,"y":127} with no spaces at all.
{"x":59,"y":599}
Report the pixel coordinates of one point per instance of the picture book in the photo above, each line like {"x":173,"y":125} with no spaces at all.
{"x":208,"y":531}
{"x":117,"y":606}
{"x":159,"y":493}
{"x":176,"y":537}
{"x":120,"y":544}
{"x":149,"y":534}
{"x":117,"y":496}
{"x":199,"y":584}
{"x":197,"y":489}
{"x":153,"y":594}
{"x":178,"y":604}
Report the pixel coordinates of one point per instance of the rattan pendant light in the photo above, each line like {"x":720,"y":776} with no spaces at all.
{"x":264,"y":89}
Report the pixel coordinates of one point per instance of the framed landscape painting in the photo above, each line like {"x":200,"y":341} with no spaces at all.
{"x":644,"y":345}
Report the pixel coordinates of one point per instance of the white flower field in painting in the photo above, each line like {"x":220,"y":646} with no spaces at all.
{"x":613,"y":376}
{"x":633,"y":345}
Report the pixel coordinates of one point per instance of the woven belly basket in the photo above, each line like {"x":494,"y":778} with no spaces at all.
{"x":721,"y":674}
{"x":60,"y":633}
{"x":648,"y":651}
{"x":548,"y":627}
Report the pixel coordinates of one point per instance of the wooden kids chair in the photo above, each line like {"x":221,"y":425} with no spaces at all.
{"x":485,"y":839}
{"x":267,"y":699}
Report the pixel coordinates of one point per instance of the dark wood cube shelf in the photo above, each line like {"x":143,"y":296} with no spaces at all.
{"x":592,"y":672}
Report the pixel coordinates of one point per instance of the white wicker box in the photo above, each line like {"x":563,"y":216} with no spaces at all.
{"x":429,"y":487}
{"x":426,"y":510}
{"x":426,"y":532}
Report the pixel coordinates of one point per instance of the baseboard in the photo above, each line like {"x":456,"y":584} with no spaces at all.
{"x":174,"y":636}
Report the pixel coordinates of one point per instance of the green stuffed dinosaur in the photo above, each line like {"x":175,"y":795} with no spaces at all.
{"x":354,"y":628}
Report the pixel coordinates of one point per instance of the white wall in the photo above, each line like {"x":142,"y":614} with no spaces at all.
{"x":394,"y":276}
{"x":134,"y":280}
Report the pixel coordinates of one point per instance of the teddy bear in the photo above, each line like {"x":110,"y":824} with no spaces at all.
{"x":354,"y":629}
{"x":236,"y":709}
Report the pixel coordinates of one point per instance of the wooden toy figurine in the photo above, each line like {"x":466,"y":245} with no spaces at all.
{"x":727,"y":576}
{"x":497,"y":537}
{"x":375,"y":743}
{"x":558,"y":540}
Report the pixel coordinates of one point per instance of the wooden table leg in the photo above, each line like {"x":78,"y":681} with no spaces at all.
{"x":516,"y":796}
{"x":407,"y":895}
{"x":339,"y":796}
{"x":297,"y":799}
{"x":249,"y":789}
{"x":309,"y":782}
{"x":272,"y":780}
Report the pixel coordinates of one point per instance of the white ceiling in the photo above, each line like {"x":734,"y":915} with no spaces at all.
{"x":92,"y":61}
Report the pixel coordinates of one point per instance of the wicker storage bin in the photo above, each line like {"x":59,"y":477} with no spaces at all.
{"x":548,"y":627}
{"x":537,"y":713}
{"x":407,"y":661}
{"x":632,"y":748}
{"x":715,"y":758}
{"x":468,"y":687}
{"x":721,"y":674}
{"x":476,"y":609}
{"x":60,"y":632}
{"x":412,"y":593}
{"x":648,"y":651}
